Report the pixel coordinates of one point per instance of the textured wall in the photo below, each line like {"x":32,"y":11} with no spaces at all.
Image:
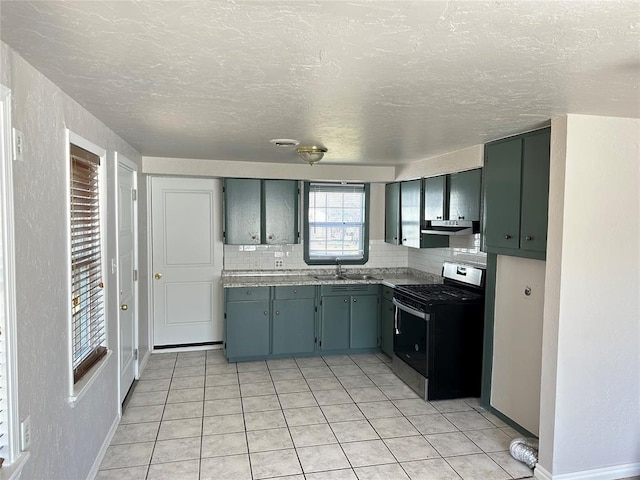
{"x":597,"y":387}
{"x":64,"y":440}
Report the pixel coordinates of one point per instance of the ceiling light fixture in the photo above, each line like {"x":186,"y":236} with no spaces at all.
{"x":312,"y":154}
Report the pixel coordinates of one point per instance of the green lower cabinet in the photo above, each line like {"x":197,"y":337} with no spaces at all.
{"x":293,"y":327}
{"x":248,"y":328}
{"x":334,"y":323}
{"x":364,"y":321}
{"x":386,"y":320}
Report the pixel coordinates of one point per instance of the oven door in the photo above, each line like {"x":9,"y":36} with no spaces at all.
{"x":411,"y":337}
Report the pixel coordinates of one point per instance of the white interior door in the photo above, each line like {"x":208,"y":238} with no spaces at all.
{"x":187,"y":261}
{"x":127,"y":254}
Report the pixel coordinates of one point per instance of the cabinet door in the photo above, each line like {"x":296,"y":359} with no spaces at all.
{"x":434,"y":196}
{"x":334,"y":323}
{"x":247,"y":329}
{"x":293,"y":326}
{"x":464,"y":195}
{"x":502,"y":168}
{"x":392,"y":213}
{"x":535,"y":192}
{"x":410,"y":213}
{"x":364,"y":321}
{"x":387,"y":317}
{"x":280,"y":212}
{"x":242,"y":211}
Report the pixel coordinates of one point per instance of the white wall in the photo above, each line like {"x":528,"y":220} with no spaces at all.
{"x":594,"y":394}
{"x":65,"y":440}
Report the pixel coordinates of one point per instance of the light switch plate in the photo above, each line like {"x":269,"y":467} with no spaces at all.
{"x":18,"y":146}
{"x":25,"y":434}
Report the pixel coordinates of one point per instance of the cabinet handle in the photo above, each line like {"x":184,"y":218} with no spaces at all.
{"x":277,"y":312}
{"x":528,"y":237}
{"x":355,"y":299}
{"x":507,"y":237}
{"x":248,"y":292}
{"x":295,"y":290}
{"x":266,"y":313}
{"x":346,"y":300}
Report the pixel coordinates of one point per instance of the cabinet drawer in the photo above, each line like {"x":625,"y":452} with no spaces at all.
{"x":240,"y":294}
{"x":289,"y":292}
{"x":387,"y":292}
{"x":350,"y":289}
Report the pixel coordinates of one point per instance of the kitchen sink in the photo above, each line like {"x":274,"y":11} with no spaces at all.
{"x":332,"y":276}
{"x":359,"y":276}
{"x":345,"y":276}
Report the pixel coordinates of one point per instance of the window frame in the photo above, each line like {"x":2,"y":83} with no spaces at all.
{"x":79,"y":387}
{"x":333,"y":261}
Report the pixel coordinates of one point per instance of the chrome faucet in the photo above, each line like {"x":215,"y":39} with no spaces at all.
{"x":338,"y":267}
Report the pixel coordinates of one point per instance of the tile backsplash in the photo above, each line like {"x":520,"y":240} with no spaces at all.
{"x":290,"y":257}
{"x":464,"y":249}
{"x":381,"y":255}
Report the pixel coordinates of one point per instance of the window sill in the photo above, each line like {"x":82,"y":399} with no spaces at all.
{"x":13,"y":471}
{"x":82,"y":387}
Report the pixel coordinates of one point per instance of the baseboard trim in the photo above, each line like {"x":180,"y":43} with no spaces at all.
{"x":103,"y":450}
{"x":616,"y":472}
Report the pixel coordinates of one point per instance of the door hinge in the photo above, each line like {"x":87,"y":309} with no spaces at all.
{"x":316,"y":308}
{"x":134,"y":195}
{"x":225,"y":315}
{"x":135,"y":353}
{"x":135,"y":275}
{"x":320,"y":343}
{"x":315,"y":340}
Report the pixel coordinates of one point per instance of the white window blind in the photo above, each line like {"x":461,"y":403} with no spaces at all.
{"x":336,"y":221}
{"x":87,"y":288}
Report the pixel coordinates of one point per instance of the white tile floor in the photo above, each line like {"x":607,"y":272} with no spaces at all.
{"x":193,"y":416}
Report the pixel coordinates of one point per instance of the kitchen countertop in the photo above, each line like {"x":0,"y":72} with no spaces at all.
{"x":390,"y":277}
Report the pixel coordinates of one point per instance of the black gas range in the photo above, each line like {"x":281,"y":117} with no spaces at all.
{"x":438,"y":334}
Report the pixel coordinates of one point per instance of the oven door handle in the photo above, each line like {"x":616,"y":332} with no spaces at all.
{"x":412,"y":311}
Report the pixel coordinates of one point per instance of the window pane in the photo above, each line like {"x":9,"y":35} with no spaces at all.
{"x":336,"y":222}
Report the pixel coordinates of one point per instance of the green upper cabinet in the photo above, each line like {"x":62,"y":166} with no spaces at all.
{"x":242,"y":211}
{"x":260,"y":211}
{"x":464,"y":195}
{"x":535,"y":192}
{"x":434,"y":197}
{"x":392,"y":213}
{"x":516,"y":195}
{"x":280,"y":211}
{"x":410,"y":213}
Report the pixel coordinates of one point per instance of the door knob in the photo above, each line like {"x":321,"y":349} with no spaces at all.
{"x":124,"y":306}
{"x":158,"y":276}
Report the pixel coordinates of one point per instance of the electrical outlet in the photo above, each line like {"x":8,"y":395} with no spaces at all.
{"x":279,"y":263}
{"x":25,"y":434}
{"x":18,"y":146}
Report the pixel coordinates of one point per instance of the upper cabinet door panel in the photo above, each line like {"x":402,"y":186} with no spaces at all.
{"x":410,"y":213}
{"x":281,"y":211}
{"x":502,"y":172}
{"x":392,"y":213}
{"x":535,"y":192}
{"x":434,"y":197}
{"x":242,"y":211}
{"x":464,"y":195}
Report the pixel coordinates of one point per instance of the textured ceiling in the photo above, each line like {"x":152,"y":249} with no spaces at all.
{"x":376,"y":82}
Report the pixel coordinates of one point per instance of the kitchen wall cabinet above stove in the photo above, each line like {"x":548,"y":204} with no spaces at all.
{"x":454,"y":197}
{"x":260,"y":211}
{"x":403,"y":213}
{"x":516,"y":195}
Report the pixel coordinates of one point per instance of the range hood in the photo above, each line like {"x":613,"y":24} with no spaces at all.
{"x":451,"y":227}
